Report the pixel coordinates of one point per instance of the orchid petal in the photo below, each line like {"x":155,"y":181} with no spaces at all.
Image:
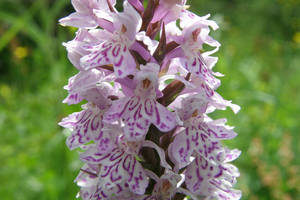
{"x":163,"y":119}
{"x":201,"y":141}
{"x":111,"y":53}
{"x":136,"y":129}
{"x":137,"y":4}
{"x":197,"y":66}
{"x":221,"y":103}
{"x":73,"y":99}
{"x":118,"y":167}
{"x":78,"y":20}
{"x":116,"y":110}
{"x":208,"y":179}
{"x":218,"y":131}
{"x":181,"y":150}
{"x":85,"y":125}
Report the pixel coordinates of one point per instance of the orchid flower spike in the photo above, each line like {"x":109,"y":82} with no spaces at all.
{"x":146,"y":87}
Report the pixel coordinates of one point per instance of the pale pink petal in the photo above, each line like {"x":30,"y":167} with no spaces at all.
{"x":211,"y":180}
{"x":173,"y":33}
{"x":136,"y":129}
{"x":181,"y":149}
{"x":100,"y":55}
{"x":116,"y":110}
{"x":168,"y":11}
{"x":98,"y":97}
{"x":128,"y":86}
{"x":114,"y":191}
{"x":222,"y":104}
{"x":76,"y":48}
{"x":162,"y":118}
{"x":137,"y":5}
{"x":211,"y":62}
{"x":111,"y":53}
{"x":73,"y":99}
{"x":87,"y":177}
{"x":93,"y":155}
{"x":91,"y":85}
{"x":188,"y":18}
{"x":197,"y":66}
{"x":106,"y":140}
{"x":200,"y":140}
{"x":135,"y":115}
{"x":119,"y":167}
{"x":218,"y":131}
{"x":85,"y":80}
{"x":85,"y":125}
{"x":75,"y":52}
{"x":159,"y":13}
{"x":87,"y":180}
{"x":130,"y":18}
{"x":197,"y":102}
{"x":78,"y":20}
{"x":231,"y":155}
{"x":138,"y":181}
{"x":80,"y":6}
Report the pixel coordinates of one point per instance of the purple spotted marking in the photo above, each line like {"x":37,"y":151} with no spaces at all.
{"x":137,"y":113}
{"x":86,"y":126}
{"x":194,"y":63}
{"x":126,"y":164}
{"x":195,"y":138}
{"x":187,"y":144}
{"x":219,"y":173}
{"x":114,"y":177}
{"x":134,"y":101}
{"x":148,"y":107}
{"x":119,"y":63}
{"x":116,"y":50}
{"x":116,"y":155}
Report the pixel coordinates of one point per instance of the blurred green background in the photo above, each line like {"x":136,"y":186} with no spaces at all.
{"x":260,"y":56}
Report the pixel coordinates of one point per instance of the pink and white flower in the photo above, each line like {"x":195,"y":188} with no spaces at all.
{"x":214,"y":181}
{"x":168,"y":10}
{"x":84,"y":16}
{"x":115,"y":49}
{"x":121,"y":173}
{"x":142,"y":109}
{"x":146,"y":103}
{"x":188,"y":54}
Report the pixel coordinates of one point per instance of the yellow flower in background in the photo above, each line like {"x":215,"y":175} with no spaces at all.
{"x":21,"y":52}
{"x":5,"y":91}
{"x":296,"y":37}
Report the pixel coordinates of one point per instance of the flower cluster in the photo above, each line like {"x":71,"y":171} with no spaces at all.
{"x":148,"y":87}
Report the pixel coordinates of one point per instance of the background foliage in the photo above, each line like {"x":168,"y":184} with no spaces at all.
{"x":259,"y":56}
